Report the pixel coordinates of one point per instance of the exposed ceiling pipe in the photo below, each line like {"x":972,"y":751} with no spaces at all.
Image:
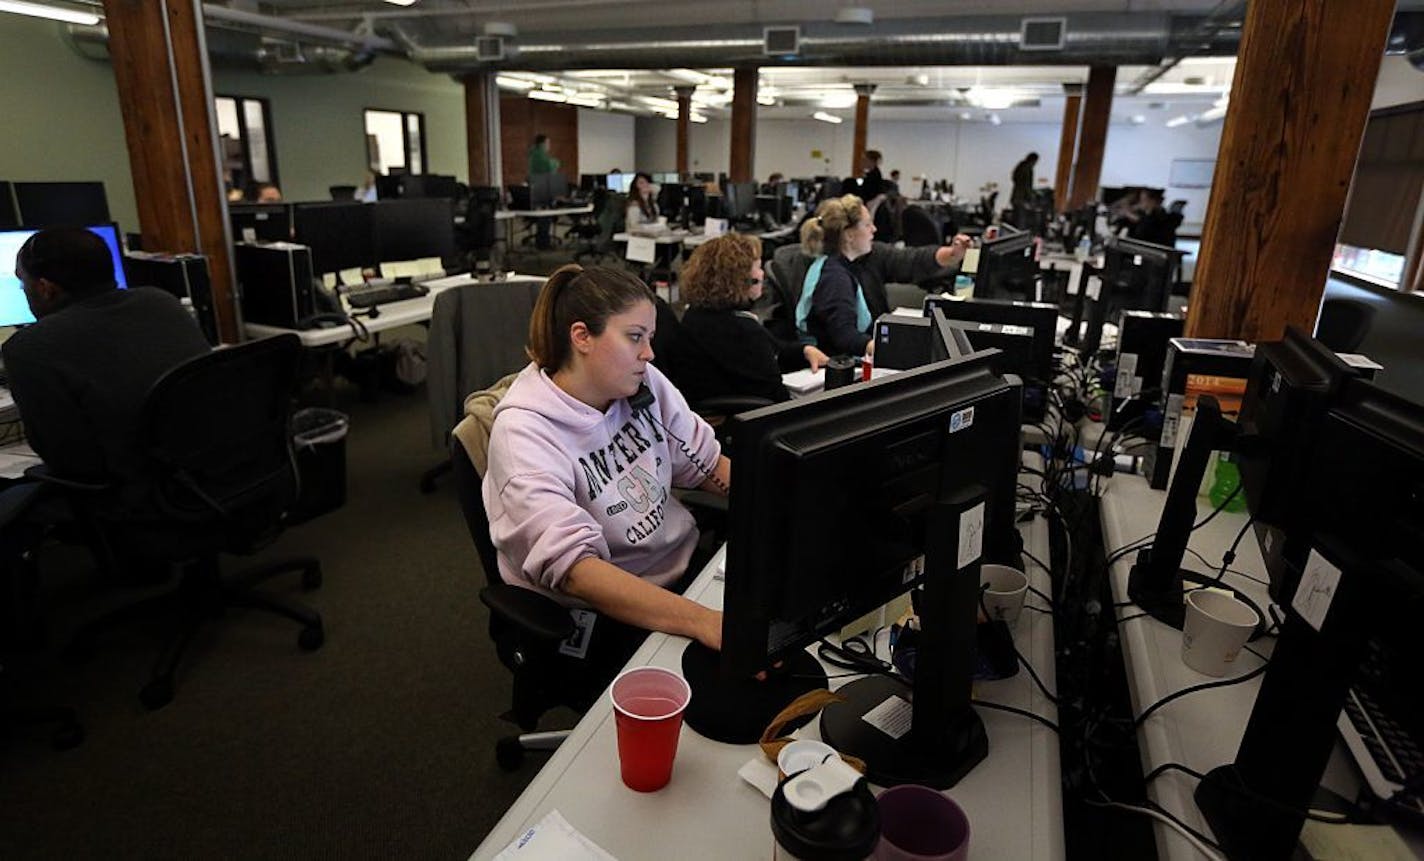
{"x":1092,"y":38}
{"x":413,"y":13}
{"x":1227,"y":15}
{"x":218,"y":16}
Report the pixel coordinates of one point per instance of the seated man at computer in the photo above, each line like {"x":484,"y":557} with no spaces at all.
{"x":584,"y":453}
{"x":81,"y":372}
{"x":1150,"y":222}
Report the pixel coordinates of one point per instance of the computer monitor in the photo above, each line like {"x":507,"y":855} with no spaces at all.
{"x":546,"y":188}
{"x":264,"y":222}
{"x":9,"y":215}
{"x":672,"y":199}
{"x":591,"y":182}
{"x":947,"y":341}
{"x":14,"y":308}
{"x":738,"y":200}
{"x":1007,"y":268}
{"x":620,"y":182}
{"x":696,"y":204}
{"x":1136,"y":276}
{"x":1365,"y":533}
{"x":1041,"y":317}
{"x":666,"y":177}
{"x":340,"y":235}
{"x":61,"y":204}
{"x":428,"y":185}
{"x":413,"y":229}
{"x":845,"y":500}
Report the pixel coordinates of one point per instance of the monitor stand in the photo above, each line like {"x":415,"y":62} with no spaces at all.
{"x":738,"y":710}
{"x":929,"y":733}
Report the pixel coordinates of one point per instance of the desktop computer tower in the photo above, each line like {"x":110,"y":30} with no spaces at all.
{"x":1141,"y":351}
{"x":276,"y":283}
{"x":1195,"y":367}
{"x":183,"y":275}
{"x":901,"y":342}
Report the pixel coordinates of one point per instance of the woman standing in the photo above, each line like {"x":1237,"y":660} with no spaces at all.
{"x":832,"y":313}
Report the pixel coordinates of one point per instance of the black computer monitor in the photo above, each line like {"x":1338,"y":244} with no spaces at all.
{"x":738,"y":200}
{"x":845,"y":500}
{"x":696,"y":204}
{"x":61,"y":204}
{"x":427,"y":185}
{"x":9,"y":215}
{"x":261,"y":222}
{"x":340,"y":235}
{"x":413,"y":229}
{"x":672,"y":199}
{"x":546,"y":188}
{"x":591,"y":182}
{"x":1136,"y":276}
{"x":14,"y":308}
{"x":1041,"y":317}
{"x":947,"y":341}
{"x":1007,"y":268}
{"x":1365,"y":531}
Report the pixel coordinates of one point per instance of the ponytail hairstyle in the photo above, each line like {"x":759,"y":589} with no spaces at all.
{"x":822,"y":234}
{"x":574,"y":294}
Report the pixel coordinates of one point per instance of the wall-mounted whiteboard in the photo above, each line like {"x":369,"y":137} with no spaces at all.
{"x":1191,"y":173}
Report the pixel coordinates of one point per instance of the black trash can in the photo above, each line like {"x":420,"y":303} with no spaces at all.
{"x":319,"y":439}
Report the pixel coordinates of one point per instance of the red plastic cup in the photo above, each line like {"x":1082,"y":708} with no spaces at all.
{"x":648,"y":703}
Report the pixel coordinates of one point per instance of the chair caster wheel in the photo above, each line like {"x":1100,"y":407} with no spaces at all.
{"x":156,"y":694}
{"x":67,"y":736}
{"x":311,"y":638}
{"x":509,"y":754}
{"x":311,"y":579}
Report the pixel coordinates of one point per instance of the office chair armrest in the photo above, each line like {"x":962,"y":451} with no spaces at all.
{"x":41,"y":473}
{"x":537,"y":614}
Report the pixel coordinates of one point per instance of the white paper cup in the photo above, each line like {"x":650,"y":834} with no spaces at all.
{"x":1004,"y":599}
{"x":1216,"y":627}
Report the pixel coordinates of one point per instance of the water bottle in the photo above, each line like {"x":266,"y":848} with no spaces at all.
{"x":1226,"y":480}
{"x":1085,"y":246}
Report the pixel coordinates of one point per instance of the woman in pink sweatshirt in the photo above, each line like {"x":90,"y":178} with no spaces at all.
{"x":584,"y":453}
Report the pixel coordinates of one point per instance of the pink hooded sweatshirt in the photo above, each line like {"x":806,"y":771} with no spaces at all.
{"x":566,"y":481}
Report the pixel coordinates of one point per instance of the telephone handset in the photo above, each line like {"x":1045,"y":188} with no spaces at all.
{"x":641,"y":399}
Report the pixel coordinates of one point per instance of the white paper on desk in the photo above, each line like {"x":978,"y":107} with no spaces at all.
{"x":642,"y":249}
{"x":714,"y":227}
{"x":553,"y":839}
{"x":970,"y":264}
{"x":1353,"y":842}
{"x":804,"y":380}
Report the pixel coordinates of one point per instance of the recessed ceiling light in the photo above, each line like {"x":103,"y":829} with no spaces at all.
{"x":54,"y":13}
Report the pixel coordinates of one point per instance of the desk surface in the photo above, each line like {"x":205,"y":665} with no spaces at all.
{"x":1200,"y":730}
{"x":502,"y":214}
{"x":392,"y":314}
{"x":1013,"y":798}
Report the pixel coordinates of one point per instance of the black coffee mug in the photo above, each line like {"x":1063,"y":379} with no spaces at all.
{"x":840,"y":371}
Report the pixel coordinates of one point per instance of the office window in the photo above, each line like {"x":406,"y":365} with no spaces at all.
{"x":1371,"y":264}
{"x":249,"y":152}
{"x":1384,"y":196}
{"x":395,"y":139}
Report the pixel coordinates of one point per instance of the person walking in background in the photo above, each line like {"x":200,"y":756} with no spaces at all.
{"x":541,"y":162}
{"x":1022,"y":193}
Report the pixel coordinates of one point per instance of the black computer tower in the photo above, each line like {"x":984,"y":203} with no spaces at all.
{"x":901,"y":342}
{"x":185,"y":276}
{"x":1195,"y":366}
{"x":1141,"y":351}
{"x":276,"y":283}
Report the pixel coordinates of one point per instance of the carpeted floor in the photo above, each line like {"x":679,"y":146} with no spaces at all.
{"x":379,"y":745}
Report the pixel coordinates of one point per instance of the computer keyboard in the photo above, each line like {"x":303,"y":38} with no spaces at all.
{"x":371,"y":295}
{"x":1382,"y":738}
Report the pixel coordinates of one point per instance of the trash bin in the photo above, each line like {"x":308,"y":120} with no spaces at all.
{"x":319,"y":439}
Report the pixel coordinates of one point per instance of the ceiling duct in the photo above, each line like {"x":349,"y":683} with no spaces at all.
{"x":1090,"y":38}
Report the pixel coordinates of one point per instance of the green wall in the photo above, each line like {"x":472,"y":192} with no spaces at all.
{"x":62,"y":120}
{"x":61,"y":115}
{"x":318,"y":120}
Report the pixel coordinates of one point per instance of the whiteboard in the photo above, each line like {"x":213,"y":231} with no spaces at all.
{"x":1191,"y":173}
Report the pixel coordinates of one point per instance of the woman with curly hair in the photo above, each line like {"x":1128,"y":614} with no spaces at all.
{"x":722,"y":348}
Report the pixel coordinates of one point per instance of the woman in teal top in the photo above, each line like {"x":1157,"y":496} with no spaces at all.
{"x":832,"y":313}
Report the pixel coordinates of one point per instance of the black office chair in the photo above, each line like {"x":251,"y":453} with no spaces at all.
{"x":1344,"y":324}
{"x":919,"y":228}
{"x":220,"y":475}
{"x":479,"y":232}
{"x":526,"y":628}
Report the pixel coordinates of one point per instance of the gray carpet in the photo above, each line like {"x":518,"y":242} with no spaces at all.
{"x":379,"y":745}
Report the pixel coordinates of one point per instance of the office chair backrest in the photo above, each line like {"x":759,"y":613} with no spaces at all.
{"x":342,"y":192}
{"x":919,"y":228}
{"x":467,"y":487}
{"x":1343,"y":324}
{"x":216,"y":429}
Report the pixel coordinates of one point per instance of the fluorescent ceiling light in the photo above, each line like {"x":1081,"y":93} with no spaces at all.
{"x":965,"y":115}
{"x":401,"y":2}
{"x":586,"y":100}
{"x":513,"y":83}
{"x":1211,"y":116}
{"x":827,"y":118}
{"x":838,"y":99}
{"x":696,"y":117}
{"x":766,"y":99}
{"x":1178,"y":121}
{"x":546,"y":96}
{"x":54,"y":13}
{"x":993,"y":100}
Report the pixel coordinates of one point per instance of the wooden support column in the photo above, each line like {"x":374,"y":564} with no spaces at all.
{"x":744,"y":109}
{"x":161,"y":71}
{"x":1093,"y":136}
{"x":1305,"y":74}
{"x":863,"y":92}
{"x":684,"y":122}
{"x":1067,"y":143}
{"x":482,"y":132}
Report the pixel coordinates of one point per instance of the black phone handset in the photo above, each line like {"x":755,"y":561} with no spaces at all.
{"x":643,"y":400}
